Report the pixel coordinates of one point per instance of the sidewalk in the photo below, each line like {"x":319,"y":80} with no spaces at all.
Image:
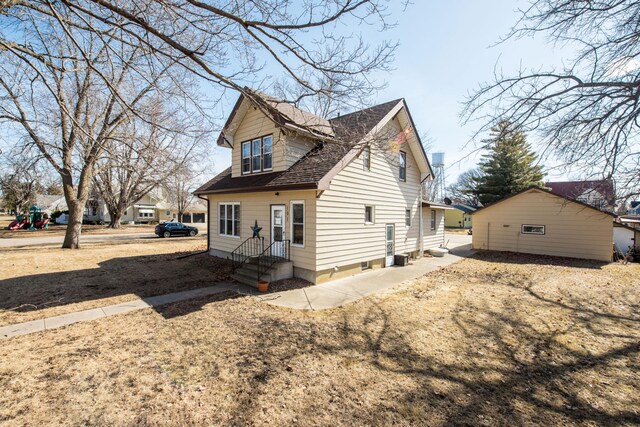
{"x":343,"y":291}
{"x":54,"y":322}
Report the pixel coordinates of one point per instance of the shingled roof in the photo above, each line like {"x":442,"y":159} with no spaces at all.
{"x":310,"y":169}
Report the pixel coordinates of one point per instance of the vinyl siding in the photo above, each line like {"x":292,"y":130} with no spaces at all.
{"x":571,"y":230}
{"x":257,"y":206}
{"x":287,"y":149}
{"x":433,"y":238}
{"x":342,"y":236}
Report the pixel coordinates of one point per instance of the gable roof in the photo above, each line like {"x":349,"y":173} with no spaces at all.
{"x":318,"y":163}
{"x":465,"y":208}
{"x":573,"y":189}
{"x":544,"y":190}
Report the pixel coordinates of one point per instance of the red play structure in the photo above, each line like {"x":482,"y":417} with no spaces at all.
{"x":35,"y":220}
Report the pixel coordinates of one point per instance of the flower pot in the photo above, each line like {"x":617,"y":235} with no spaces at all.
{"x":263,"y":286}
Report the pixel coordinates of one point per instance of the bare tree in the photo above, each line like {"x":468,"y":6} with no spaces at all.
{"x":586,"y":113}
{"x":145,"y":155}
{"x":20,"y":182}
{"x":178,"y":188}
{"x":229,"y":43}
{"x":71,"y":100}
{"x":463,"y":190}
{"x":73,"y":71}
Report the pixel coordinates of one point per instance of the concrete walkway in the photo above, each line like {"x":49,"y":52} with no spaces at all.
{"x":343,"y":291}
{"x":110,"y":310}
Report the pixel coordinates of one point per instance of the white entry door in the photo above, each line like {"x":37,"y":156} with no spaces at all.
{"x":278,"y":229}
{"x":389,"y":245}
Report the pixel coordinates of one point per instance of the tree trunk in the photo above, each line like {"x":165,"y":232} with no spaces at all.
{"x":74,"y":228}
{"x":115,"y":218}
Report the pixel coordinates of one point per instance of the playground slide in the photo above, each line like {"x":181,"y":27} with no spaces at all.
{"x":17,"y":225}
{"x":42,"y":223}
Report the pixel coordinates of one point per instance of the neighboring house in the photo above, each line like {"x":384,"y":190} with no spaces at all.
{"x":51,"y":202}
{"x":634,"y":208}
{"x":538,"y":221}
{"x":154,"y":207}
{"x":329,"y":202}
{"x":460,"y":216}
{"x":625,"y":237}
{"x":599,"y":194}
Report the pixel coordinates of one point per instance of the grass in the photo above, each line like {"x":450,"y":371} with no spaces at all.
{"x":499,"y":339}
{"x":38,"y":282}
{"x":59,"y":230}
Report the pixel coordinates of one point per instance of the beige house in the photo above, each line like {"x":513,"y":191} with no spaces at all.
{"x":153,"y":207}
{"x":332,"y":197}
{"x":538,"y":221}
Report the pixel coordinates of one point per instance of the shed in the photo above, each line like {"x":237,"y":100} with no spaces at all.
{"x":538,"y":221}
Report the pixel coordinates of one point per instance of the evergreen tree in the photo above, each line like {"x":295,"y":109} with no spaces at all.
{"x":508,"y":167}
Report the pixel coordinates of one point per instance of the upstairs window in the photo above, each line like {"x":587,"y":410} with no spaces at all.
{"x":246,"y":157}
{"x":403,"y":166}
{"x":366,"y":159}
{"x":257,"y":155}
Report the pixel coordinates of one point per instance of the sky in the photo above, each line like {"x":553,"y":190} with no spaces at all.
{"x":446,"y":50}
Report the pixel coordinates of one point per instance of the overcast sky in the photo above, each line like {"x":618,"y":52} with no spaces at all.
{"x":447,"y":49}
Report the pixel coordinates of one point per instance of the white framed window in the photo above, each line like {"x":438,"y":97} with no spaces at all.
{"x":366,"y":159}
{"x":257,"y":155}
{"x":297,"y":223}
{"x":229,"y":219}
{"x":433,"y":220}
{"x":532,"y":229}
{"x":402,"y":171}
{"x":407,"y":217}
{"x":267,"y":153}
{"x":365,"y":265}
{"x":369,"y":214}
{"x":246,"y":157}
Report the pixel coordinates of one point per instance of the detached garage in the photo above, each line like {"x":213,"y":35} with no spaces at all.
{"x":537,"y":221}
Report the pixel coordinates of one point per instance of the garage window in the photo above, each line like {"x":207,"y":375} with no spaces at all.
{"x":532,"y":229}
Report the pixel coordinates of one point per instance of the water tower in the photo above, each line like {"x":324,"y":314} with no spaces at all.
{"x":437,"y":164}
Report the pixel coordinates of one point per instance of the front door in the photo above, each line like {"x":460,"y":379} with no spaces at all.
{"x":389,"y":246}
{"x":277,"y":230}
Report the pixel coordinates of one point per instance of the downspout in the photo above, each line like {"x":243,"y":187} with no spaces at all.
{"x":208,"y":233}
{"x":420,"y":228}
{"x":208,"y":221}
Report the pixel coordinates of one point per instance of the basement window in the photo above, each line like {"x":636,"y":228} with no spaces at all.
{"x":365,"y":265}
{"x":532,"y":229}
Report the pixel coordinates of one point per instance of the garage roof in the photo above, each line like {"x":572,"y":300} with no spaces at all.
{"x":544,"y":190}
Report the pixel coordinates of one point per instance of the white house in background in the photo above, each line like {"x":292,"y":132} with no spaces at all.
{"x":329,"y":202}
{"x":599,"y":193}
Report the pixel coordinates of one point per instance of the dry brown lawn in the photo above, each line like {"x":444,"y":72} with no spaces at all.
{"x":59,"y":230}
{"x":37,"y":282}
{"x":498,"y":340}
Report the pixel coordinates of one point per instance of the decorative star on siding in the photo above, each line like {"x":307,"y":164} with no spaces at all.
{"x":256,"y":230}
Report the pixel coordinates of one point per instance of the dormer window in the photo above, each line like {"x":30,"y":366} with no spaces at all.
{"x":257,"y":155}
